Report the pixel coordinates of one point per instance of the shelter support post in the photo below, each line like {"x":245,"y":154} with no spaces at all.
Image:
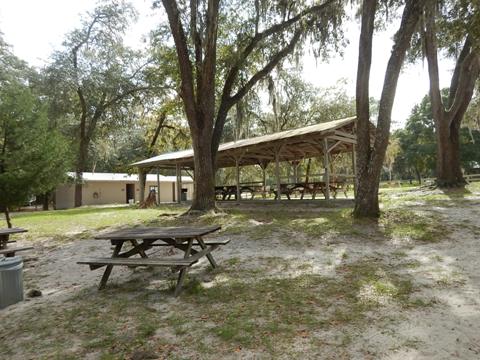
{"x":141,"y":184}
{"x":354,"y":165}
{"x":179,"y":182}
{"x":277,"y":173}
{"x":295,"y":170}
{"x":326,"y":166}
{"x":237,"y":178}
{"x":264,"y":179}
{"x":158,"y":186}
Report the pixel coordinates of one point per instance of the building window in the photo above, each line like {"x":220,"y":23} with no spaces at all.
{"x":153,"y":188}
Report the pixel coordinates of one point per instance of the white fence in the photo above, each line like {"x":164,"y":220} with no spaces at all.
{"x":468,"y":178}
{"x":472,"y":177}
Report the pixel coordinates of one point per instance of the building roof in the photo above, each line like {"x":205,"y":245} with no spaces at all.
{"x":89,"y":176}
{"x":296,"y":144}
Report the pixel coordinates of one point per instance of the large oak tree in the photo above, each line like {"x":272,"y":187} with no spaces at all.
{"x":95,"y":79}
{"x":223,"y":49}
{"x":371,"y":154}
{"x":453,"y":26}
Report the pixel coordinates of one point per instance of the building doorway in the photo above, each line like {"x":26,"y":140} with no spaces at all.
{"x":130,"y":193}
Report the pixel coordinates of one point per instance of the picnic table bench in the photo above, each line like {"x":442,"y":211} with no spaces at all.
{"x":225,"y":192}
{"x":187,"y":239}
{"x":313,"y":188}
{"x":4,"y":241}
{"x":285,"y":189}
{"x":10,"y":252}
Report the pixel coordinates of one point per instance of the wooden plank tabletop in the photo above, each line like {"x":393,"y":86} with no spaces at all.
{"x":10,"y":231}
{"x":151,"y":233}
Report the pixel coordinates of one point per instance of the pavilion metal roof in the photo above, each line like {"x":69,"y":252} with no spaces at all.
{"x":123,"y":177}
{"x":294,"y":144}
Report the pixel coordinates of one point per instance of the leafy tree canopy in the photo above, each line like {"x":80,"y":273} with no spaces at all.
{"x":418,"y":143}
{"x":34,"y":157}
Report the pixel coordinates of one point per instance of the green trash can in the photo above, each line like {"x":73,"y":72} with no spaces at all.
{"x":11,"y":281}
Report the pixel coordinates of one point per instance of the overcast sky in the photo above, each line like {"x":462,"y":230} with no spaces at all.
{"x":35,"y":28}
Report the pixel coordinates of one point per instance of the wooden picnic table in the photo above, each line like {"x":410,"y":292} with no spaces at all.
{"x":4,"y":240}
{"x":5,"y":233}
{"x":186,"y":239}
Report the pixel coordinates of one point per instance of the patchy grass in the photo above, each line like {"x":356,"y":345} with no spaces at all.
{"x":63,"y":225}
{"x":267,"y":305}
{"x":257,"y":224}
{"x":427,"y":197}
{"x":415,"y":225}
{"x":233,"y":311}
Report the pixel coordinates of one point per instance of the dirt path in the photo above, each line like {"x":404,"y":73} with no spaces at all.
{"x":440,"y":320}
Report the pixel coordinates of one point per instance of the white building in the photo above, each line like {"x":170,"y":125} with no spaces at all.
{"x":114,"y":188}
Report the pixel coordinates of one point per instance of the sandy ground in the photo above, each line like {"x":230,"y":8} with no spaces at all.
{"x":447,"y":273}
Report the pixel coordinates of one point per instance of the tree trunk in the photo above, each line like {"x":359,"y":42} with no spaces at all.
{"x":45,"y":201}
{"x":366,"y":197}
{"x":370,"y":159}
{"x":204,"y":182}
{"x":7,"y":217}
{"x":419,"y":176}
{"x":142,"y":177}
{"x":80,"y":168}
{"x":449,"y":172}
{"x":366,"y":200}
{"x":447,"y":122}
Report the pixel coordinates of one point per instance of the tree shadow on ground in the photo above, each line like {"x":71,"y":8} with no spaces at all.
{"x":456,"y":193}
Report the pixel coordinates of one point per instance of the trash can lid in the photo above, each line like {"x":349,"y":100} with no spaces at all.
{"x":8,"y":262}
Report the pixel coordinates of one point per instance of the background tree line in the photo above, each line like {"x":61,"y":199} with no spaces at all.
{"x":412,"y":150}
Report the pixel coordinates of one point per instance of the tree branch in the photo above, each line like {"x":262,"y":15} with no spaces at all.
{"x":77,"y":47}
{"x":160,"y":122}
{"x":197,"y":42}
{"x":99,"y":111}
{"x":207,"y":86}
{"x":257,"y":16}
{"x":124,"y":94}
{"x":226,"y":104}
{"x":410,"y":18}
{"x":258,"y":38}
{"x":456,"y":73}
{"x":432,"y":59}
{"x":268,"y":67}
{"x":184,"y":63}
{"x":362,"y":86}
{"x":467,"y":77}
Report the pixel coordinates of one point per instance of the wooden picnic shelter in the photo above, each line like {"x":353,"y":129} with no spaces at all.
{"x":324,"y":139}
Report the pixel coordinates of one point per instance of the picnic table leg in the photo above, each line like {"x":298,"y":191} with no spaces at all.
{"x":109,"y":268}
{"x":183,"y":271}
{"x":209,"y":256}
{"x":141,"y":252}
{"x":3,"y":241}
